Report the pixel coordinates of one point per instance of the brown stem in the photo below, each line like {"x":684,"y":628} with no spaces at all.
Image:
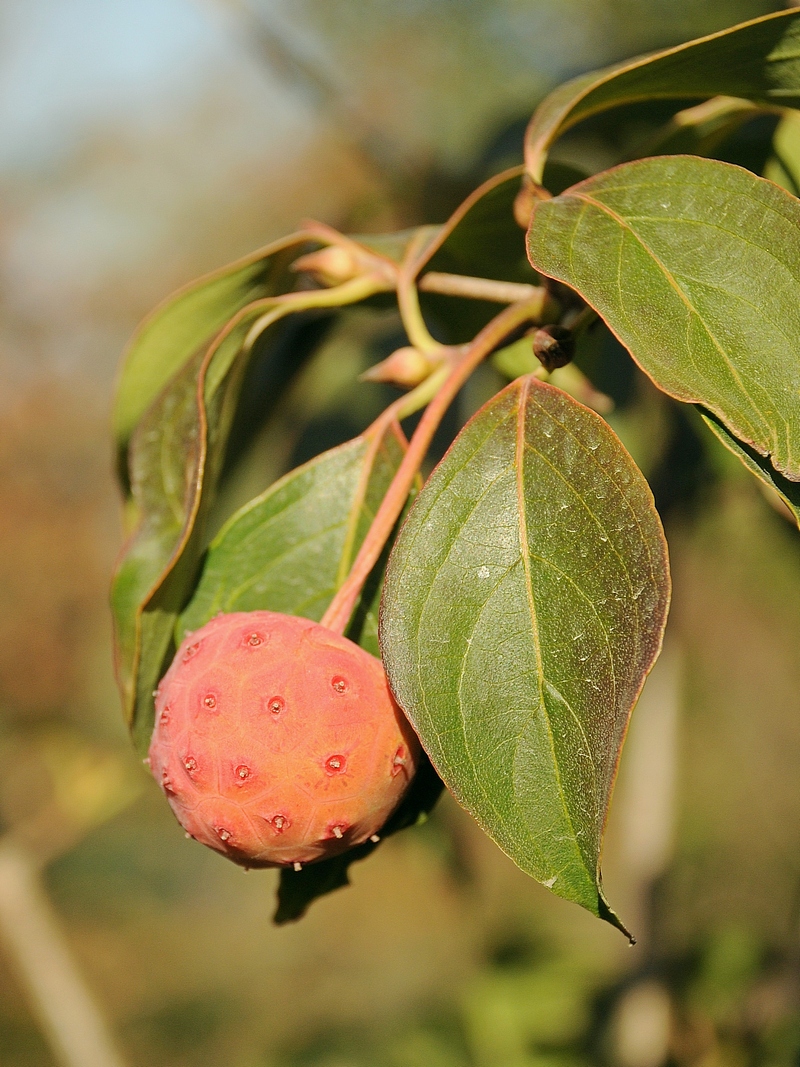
{"x":464,"y":362}
{"x":372,"y":261}
{"x":476,"y":288}
{"x":349,"y":292}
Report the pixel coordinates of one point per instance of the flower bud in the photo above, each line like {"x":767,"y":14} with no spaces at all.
{"x":332,"y":265}
{"x":406,"y":367}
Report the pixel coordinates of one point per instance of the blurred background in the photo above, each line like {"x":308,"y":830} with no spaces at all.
{"x":142,"y":143}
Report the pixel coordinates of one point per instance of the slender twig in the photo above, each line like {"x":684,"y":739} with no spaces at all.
{"x":408,"y":298}
{"x":476,"y":288}
{"x":61,"y":1000}
{"x":464,"y":362}
{"x":350,"y":292}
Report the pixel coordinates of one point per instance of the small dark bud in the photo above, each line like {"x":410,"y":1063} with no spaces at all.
{"x":553,"y":346}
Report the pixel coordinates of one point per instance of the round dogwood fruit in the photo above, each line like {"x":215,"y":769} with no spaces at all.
{"x":277,"y":741}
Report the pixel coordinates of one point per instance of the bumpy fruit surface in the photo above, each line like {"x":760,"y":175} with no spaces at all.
{"x":277,"y":741}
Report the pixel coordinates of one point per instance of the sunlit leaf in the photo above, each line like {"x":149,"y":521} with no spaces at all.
{"x":695,"y":266}
{"x":757,"y":60}
{"x":783,"y":167}
{"x":523,"y":607}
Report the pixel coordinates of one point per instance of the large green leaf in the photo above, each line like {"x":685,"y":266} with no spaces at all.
{"x":188,"y":321}
{"x":757,"y":60}
{"x":524,"y":604}
{"x":695,"y":266}
{"x":291,"y":548}
{"x":175,"y":458}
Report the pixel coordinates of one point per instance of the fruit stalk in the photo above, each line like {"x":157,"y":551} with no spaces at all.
{"x":463,"y":362}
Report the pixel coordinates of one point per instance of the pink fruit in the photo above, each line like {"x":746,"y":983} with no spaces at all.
{"x":277,"y":741}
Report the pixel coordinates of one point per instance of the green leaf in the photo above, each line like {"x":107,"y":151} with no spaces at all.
{"x":176,"y":455}
{"x":697,"y":131}
{"x":524,"y":604}
{"x":757,"y":60}
{"x":482,"y":238}
{"x":789,"y":492}
{"x":783,"y":167}
{"x":695,"y":266}
{"x":188,"y":321}
{"x":291,"y":548}
{"x":164,"y":467}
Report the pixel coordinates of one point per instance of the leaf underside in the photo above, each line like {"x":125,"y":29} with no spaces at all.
{"x":757,"y":60}
{"x":789,"y":492}
{"x":524,"y":604}
{"x":175,"y":400}
{"x":695,"y":266}
{"x":175,"y":458}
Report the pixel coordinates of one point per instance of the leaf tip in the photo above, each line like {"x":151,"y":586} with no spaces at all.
{"x":606,"y":912}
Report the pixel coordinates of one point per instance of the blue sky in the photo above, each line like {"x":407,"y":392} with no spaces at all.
{"x":68,"y":65}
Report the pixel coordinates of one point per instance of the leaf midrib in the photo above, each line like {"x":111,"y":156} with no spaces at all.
{"x":519,"y":458}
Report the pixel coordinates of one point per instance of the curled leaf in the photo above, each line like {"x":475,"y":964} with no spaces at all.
{"x":756,"y":60}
